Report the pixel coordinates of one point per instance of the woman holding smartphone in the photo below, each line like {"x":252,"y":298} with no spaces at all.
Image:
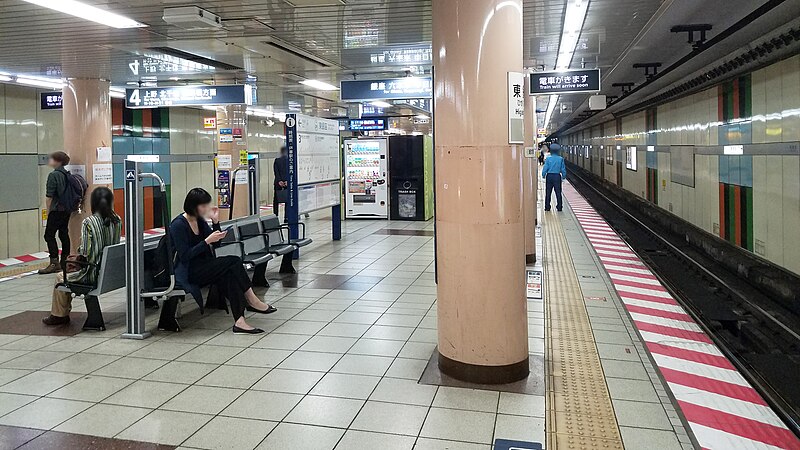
{"x":197,"y":266}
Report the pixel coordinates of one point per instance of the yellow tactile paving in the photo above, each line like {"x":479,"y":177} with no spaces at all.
{"x":579,"y":410}
{"x":22,"y":268}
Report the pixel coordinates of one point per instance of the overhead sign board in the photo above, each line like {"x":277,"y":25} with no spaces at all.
{"x":565,"y":82}
{"x":367,"y":124}
{"x":390,"y":88}
{"x":51,"y":100}
{"x":158,"y":97}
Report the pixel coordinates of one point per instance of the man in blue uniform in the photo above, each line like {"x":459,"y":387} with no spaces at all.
{"x":553,"y":172}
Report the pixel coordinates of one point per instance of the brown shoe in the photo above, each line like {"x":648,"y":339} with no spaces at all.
{"x":54,"y":267}
{"x":55,"y":320}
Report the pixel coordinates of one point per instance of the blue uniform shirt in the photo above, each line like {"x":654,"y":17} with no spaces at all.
{"x":554,"y":164}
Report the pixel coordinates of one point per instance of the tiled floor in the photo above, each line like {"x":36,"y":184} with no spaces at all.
{"x":338,"y":369}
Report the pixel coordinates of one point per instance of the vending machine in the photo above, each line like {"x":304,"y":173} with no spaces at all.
{"x":366,"y":169}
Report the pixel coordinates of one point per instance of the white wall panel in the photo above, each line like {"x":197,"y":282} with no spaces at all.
{"x":23,"y":238}
{"x":791,"y":212}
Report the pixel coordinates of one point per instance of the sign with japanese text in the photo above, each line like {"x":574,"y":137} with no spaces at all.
{"x":391,"y":88}
{"x":367,"y":124}
{"x":516,"y":108}
{"x":158,"y":97}
{"x":564,"y":82}
{"x":210,"y":123}
{"x":51,"y":100}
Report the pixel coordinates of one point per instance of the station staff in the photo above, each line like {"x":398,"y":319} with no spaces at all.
{"x":553,"y":172}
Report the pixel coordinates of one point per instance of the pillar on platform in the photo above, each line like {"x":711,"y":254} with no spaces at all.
{"x":480,"y":243}
{"x":87,"y":126}
{"x":233,"y":119}
{"x":530,"y":169}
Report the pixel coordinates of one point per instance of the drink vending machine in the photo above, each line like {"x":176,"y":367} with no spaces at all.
{"x":366,"y":170}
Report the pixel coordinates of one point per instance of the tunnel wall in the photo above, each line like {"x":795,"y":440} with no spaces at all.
{"x":27,"y":129}
{"x":750,"y":199}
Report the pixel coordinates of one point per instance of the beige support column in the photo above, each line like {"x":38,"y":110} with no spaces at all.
{"x":482,"y":311}
{"x":87,"y":126}
{"x":529,"y":176}
{"x":234,"y":117}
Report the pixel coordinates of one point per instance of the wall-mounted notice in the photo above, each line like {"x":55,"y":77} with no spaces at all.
{"x":241,"y":177}
{"x":224,"y":162}
{"x":210,"y":123}
{"x":533,"y":283}
{"x":76,"y":169}
{"x":224,"y":189}
{"x":103,"y":174}
{"x":103,"y":154}
{"x":242,"y":157}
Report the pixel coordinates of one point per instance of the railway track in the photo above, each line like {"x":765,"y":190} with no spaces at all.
{"x":757,"y":333}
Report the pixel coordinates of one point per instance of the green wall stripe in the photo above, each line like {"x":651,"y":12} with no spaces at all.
{"x":137,"y":123}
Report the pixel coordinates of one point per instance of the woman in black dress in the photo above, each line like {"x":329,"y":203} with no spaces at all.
{"x":197,"y":266}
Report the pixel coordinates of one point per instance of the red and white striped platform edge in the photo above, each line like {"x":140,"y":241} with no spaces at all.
{"x":44,"y":255}
{"x":723,"y":409}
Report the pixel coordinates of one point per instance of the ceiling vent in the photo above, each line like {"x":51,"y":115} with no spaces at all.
{"x":305,"y":3}
{"x":192,"y":18}
{"x":195,"y":58}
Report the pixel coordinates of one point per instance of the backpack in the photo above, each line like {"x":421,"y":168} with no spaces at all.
{"x":72,"y":198}
{"x":159,"y":264}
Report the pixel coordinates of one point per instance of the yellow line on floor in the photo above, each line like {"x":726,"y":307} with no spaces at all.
{"x":579,"y":410}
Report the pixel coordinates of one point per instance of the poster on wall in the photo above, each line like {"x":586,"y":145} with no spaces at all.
{"x":224,"y":185}
{"x":224,"y":161}
{"x":102,"y":174}
{"x":630,"y":161}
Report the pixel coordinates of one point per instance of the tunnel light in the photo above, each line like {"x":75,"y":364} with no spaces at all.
{"x":320,"y":85}
{"x":88,"y":12}
{"x":381,"y":104}
{"x":48,"y":83}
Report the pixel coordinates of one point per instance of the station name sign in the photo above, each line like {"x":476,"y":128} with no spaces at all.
{"x":565,"y":82}
{"x":158,"y":97}
{"x":390,"y":88}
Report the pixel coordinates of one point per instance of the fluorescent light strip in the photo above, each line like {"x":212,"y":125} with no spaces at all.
{"x":5,"y":78}
{"x":88,"y":12}
{"x":320,"y":85}
{"x":48,"y":83}
{"x":574,"y":17}
{"x":381,"y":104}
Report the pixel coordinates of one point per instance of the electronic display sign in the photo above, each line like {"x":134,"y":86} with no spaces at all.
{"x":391,"y":88}
{"x":367,"y":124}
{"x":565,"y":82}
{"x":51,"y":100}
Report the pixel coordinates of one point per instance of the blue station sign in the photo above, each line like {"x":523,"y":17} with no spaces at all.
{"x":159,"y":97}
{"x":387,"y":89}
{"x":368,"y":124}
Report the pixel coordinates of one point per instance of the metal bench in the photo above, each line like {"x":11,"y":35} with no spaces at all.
{"x":110,"y":277}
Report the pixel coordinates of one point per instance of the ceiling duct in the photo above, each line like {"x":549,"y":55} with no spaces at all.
{"x":296,"y":52}
{"x":191,"y":18}
{"x":195,"y":58}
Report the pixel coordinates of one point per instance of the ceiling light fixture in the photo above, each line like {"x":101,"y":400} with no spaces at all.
{"x":319,"y":85}
{"x":381,"y":104}
{"x":574,"y":17}
{"x":49,"y":83}
{"x":116,"y":94}
{"x":88,"y":12}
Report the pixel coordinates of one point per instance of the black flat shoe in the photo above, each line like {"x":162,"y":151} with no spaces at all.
{"x":269,"y":310}
{"x":237,"y":330}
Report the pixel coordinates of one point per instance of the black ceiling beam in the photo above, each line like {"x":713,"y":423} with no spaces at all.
{"x":626,"y":87}
{"x":701,"y":28}
{"x":650,"y":69}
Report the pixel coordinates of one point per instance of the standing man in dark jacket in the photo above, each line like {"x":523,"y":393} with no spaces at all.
{"x":280,"y":169}
{"x":58,"y":214}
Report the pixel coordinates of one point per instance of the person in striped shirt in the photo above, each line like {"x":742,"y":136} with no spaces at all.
{"x":98,"y":231}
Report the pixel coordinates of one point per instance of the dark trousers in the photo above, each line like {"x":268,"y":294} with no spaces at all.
{"x":230,"y":277}
{"x":552,"y":182}
{"x":57,"y":222}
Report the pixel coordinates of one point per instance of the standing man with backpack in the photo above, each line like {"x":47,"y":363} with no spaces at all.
{"x":65,"y":193}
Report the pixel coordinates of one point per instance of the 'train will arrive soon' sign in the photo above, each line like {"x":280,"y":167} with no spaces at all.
{"x":565,"y":82}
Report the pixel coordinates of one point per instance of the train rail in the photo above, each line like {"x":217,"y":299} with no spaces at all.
{"x":755,"y":332}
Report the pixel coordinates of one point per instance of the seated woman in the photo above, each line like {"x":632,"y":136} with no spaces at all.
{"x":197,"y":265}
{"x":98,"y":231}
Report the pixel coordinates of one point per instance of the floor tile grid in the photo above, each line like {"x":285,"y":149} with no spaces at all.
{"x":362,"y":334}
